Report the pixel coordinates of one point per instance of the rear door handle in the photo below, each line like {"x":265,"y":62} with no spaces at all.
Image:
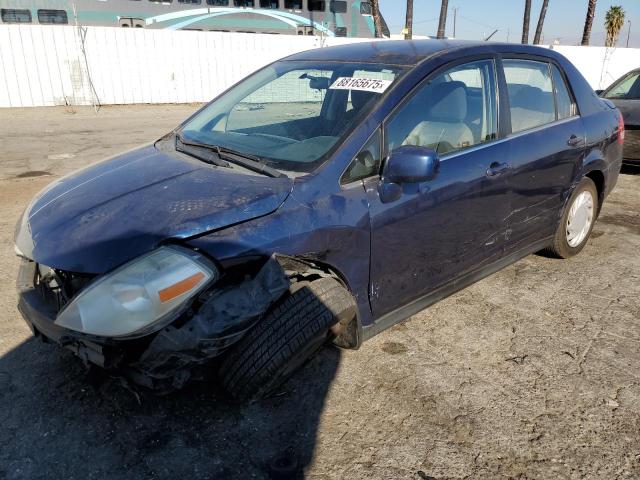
{"x":575,"y":141}
{"x":497,"y":168}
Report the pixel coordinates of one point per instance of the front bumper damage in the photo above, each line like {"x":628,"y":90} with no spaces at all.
{"x":175,"y":353}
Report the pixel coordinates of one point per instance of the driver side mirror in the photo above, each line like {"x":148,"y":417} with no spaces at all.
{"x":407,"y":165}
{"x":411,"y":164}
{"x":599,"y":92}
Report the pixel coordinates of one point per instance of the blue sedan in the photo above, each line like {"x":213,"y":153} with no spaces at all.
{"x":324,"y":198}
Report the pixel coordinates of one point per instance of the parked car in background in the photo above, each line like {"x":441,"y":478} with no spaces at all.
{"x":325,"y":197}
{"x":624,"y":93}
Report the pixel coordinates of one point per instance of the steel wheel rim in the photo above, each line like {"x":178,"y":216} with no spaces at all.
{"x":579,"y":219}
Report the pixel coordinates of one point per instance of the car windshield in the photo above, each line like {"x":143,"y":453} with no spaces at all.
{"x":291,"y":115}
{"x":628,"y":87}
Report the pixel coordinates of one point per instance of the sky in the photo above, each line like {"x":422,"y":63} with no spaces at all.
{"x":477,"y":19}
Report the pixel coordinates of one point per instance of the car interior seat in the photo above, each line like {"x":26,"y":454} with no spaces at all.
{"x":530,"y":107}
{"x":445,"y":128}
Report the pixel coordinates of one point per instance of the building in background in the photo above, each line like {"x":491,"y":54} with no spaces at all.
{"x":333,"y":18}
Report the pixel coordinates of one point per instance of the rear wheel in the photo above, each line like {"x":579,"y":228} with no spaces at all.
{"x":577,"y":221}
{"x":285,"y":338}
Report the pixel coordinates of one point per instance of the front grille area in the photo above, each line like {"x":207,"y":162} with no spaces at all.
{"x":57,"y":287}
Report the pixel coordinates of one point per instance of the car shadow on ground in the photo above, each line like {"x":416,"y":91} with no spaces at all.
{"x":630,"y":169}
{"x":59,"y":422}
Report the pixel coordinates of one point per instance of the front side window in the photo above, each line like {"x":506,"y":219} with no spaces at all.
{"x":628,"y":87}
{"x":52,"y":16}
{"x":452,"y":111}
{"x":367,"y":162}
{"x":293,"y":4}
{"x":566,"y":107}
{"x":292,"y":114}
{"x":530,"y":92}
{"x":15,"y":16}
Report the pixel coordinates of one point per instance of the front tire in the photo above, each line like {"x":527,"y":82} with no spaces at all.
{"x":577,"y":221}
{"x":285,"y":339}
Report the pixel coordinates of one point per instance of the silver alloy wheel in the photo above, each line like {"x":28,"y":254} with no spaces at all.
{"x":580,"y":219}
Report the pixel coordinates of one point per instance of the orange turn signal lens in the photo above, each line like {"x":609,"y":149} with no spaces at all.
{"x":183,"y":286}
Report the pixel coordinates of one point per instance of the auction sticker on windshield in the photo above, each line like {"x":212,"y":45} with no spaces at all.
{"x":364,"y":84}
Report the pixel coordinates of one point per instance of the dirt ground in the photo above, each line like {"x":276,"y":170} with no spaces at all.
{"x":533,"y":372}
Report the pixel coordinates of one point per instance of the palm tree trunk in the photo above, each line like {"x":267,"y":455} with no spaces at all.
{"x":543,"y":13}
{"x":588,"y":23}
{"x":525,"y":21}
{"x":409,"y":21}
{"x":442,"y":23}
{"x":377,"y":18}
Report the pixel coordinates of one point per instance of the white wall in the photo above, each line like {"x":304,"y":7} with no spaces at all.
{"x":601,"y":66}
{"x":43,"y":65}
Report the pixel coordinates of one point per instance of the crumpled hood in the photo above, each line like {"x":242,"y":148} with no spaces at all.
{"x":102,"y":216}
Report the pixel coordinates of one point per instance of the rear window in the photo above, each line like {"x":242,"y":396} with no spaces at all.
{"x":52,"y":16}
{"x":15,"y":16}
{"x":530,"y":91}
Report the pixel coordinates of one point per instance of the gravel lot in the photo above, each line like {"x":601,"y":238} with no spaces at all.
{"x":532,"y":373}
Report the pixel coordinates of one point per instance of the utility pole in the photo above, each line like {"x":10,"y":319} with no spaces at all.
{"x":455,"y":20}
{"x":628,"y":33}
{"x":408,"y":25}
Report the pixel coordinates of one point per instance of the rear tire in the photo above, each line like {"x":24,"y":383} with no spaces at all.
{"x":569,"y":241}
{"x":285,"y":339}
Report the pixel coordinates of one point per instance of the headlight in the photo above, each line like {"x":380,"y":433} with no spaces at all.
{"x":138,"y":294}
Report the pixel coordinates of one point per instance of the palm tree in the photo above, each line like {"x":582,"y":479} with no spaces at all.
{"x":442,"y":23}
{"x":382,"y":30}
{"x":543,"y":13}
{"x":526,"y":21}
{"x":614,"y":21}
{"x":588,"y":23}
{"x":409,"y":21}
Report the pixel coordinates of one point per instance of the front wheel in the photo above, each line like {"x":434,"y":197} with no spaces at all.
{"x":282,"y":341}
{"x":577,"y":221}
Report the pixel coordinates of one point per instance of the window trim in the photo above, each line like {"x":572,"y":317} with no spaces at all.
{"x":344,"y":184}
{"x":549,"y":62}
{"x":442,"y":69}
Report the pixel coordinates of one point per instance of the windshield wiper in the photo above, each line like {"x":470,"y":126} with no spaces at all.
{"x":226,"y":155}
{"x":196,"y":150}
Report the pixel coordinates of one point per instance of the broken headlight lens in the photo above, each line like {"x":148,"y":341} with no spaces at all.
{"x":138,"y":294}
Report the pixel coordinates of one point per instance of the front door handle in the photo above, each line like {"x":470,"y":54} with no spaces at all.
{"x":497,"y":168}
{"x":575,"y":141}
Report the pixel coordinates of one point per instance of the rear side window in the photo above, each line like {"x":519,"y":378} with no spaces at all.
{"x":564,"y":103}
{"x":530,"y":90}
{"x":52,"y":16}
{"x":452,"y":111}
{"x":15,"y":16}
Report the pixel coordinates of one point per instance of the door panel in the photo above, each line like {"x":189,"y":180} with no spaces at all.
{"x":545,"y":151}
{"x":436,"y":231}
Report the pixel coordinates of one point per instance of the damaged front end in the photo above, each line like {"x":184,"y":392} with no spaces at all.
{"x":176,"y":347}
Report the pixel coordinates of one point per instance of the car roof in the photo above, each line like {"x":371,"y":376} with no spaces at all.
{"x":408,"y":52}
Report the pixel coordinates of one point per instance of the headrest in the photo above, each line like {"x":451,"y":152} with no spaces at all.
{"x":448,"y":102}
{"x":529,"y":98}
